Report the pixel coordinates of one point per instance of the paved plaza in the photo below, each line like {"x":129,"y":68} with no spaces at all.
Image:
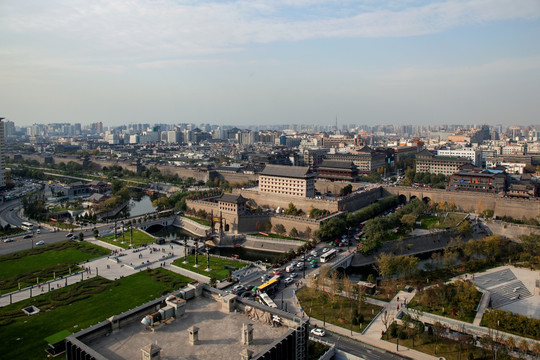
{"x":511,"y":288}
{"x":120,"y":263}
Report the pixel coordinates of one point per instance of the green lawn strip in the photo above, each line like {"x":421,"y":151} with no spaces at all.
{"x":216,"y":264}
{"x":276,"y":236}
{"x":11,"y":231}
{"x":76,"y":307}
{"x":197,"y":220}
{"x":446,"y":348}
{"x":61,"y":225}
{"x":42,"y":263}
{"x":339,"y":311}
{"x":139,"y":238}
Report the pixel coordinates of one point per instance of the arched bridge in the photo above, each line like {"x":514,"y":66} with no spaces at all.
{"x":155,"y":224}
{"x":343,"y":263}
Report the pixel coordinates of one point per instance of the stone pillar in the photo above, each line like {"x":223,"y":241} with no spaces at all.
{"x":247,"y":334}
{"x":151,"y":352}
{"x":246,"y":354}
{"x":193,"y":335}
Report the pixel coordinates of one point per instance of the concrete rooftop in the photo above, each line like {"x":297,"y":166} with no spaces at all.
{"x":220,"y":335}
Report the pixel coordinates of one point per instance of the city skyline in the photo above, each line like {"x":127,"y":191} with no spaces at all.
{"x":244,"y":63}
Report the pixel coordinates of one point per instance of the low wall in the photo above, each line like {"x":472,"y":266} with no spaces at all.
{"x":510,"y":230}
{"x":271,"y":244}
{"x":191,"y":226}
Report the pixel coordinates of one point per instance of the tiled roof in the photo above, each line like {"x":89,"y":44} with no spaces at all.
{"x":233,"y":199}
{"x":286,"y":171}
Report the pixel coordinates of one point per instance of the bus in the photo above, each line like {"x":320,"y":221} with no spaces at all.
{"x":265,"y":299}
{"x":27,"y":225}
{"x":329,"y":255}
{"x":269,"y":286}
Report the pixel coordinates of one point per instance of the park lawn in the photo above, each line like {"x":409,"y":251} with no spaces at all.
{"x":216,"y":264}
{"x":76,"y":307}
{"x":431,"y":222}
{"x":139,"y":238}
{"x":44,"y":262}
{"x":452,"y":219}
{"x":446,"y":348}
{"x":339,"y":312}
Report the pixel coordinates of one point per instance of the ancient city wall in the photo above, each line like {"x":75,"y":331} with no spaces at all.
{"x":254,"y":222}
{"x":472,"y":201}
{"x":334,"y":187}
{"x":274,"y":201}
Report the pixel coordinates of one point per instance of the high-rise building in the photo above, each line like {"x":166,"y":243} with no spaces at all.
{"x":2,"y":154}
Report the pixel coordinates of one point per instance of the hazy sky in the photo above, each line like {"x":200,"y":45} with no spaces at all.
{"x":270,"y":61}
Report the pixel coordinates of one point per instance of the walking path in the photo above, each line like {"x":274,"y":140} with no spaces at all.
{"x":372,"y":335}
{"x":121,"y":262}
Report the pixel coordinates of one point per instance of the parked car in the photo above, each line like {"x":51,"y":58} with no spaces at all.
{"x":239,"y":289}
{"x":318,"y":332}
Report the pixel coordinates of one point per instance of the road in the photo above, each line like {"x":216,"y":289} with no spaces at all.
{"x":359,"y":349}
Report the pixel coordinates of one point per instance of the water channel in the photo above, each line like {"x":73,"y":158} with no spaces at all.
{"x":172,"y":232}
{"x":141,"y":207}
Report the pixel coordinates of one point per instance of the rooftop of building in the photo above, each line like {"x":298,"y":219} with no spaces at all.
{"x":220,"y":335}
{"x":232,"y":198}
{"x":286,"y":171}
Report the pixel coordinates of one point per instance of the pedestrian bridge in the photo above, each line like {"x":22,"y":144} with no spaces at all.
{"x":343,"y":262}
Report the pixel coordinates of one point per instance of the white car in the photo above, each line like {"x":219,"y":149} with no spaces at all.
{"x":300,"y":265}
{"x":318,"y":331}
{"x":40,"y":243}
{"x":289,"y":281}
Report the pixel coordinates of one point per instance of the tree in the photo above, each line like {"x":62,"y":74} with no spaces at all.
{"x":81,"y":236}
{"x":385,"y":265}
{"x":279,"y":229}
{"x":408,"y":220}
{"x":161,"y":203}
{"x":346,"y":190}
{"x":96,"y":233}
{"x":307,"y":233}
{"x":465,"y":228}
{"x":267,"y":226}
{"x":531,"y":244}
{"x":438,"y":329}
{"x":523,"y":347}
{"x":535,"y":348}
{"x":386,"y":318}
{"x":293,"y":233}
